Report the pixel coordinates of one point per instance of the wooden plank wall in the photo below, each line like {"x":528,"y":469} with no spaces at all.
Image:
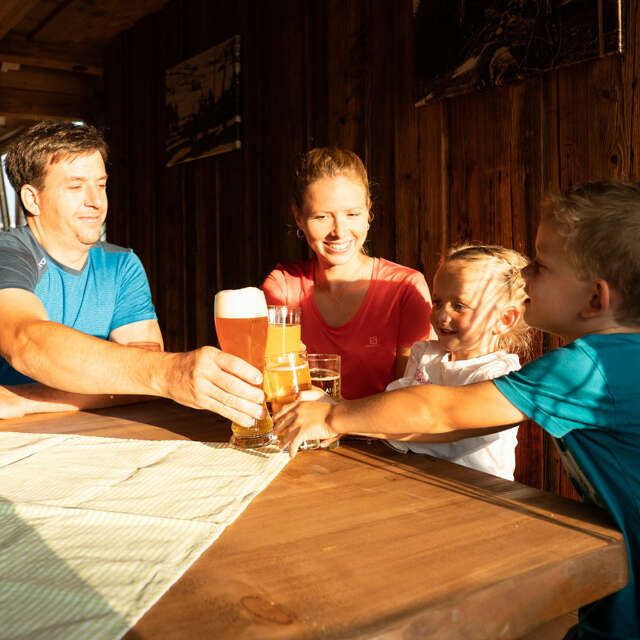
{"x":341,"y":72}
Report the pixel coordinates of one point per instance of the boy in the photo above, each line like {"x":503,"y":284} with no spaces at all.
{"x":582,"y":286}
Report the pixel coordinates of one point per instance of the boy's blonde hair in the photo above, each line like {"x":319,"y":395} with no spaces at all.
{"x":507,"y":265}
{"x":600,"y":225}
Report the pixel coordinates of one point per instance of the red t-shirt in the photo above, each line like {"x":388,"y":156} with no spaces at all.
{"x":394,"y":313}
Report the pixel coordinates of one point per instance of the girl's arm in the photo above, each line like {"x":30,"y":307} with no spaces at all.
{"x":439,"y":414}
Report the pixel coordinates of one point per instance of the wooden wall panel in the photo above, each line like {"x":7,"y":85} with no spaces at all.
{"x":282,"y":92}
{"x":172,"y":275}
{"x":341,"y":72}
{"x":432,"y":219}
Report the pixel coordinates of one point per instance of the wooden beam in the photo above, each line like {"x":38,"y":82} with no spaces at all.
{"x":39,"y":79}
{"x":12,"y":12}
{"x":67,"y":56}
{"x":44,"y":105}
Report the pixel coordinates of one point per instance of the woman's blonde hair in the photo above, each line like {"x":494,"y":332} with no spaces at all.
{"x":327,"y":162}
{"x":507,"y":264}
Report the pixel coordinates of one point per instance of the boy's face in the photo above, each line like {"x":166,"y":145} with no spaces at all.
{"x":556,"y":295}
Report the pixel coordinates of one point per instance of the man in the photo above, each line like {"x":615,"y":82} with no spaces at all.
{"x":69,"y":303}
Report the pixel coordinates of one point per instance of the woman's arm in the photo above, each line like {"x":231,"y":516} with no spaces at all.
{"x":439,"y":414}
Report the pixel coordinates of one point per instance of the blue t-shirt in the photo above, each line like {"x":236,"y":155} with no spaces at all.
{"x":110,"y":291}
{"x":587,"y":396}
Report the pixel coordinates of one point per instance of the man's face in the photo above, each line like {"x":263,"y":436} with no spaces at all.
{"x":556,"y":294}
{"x":73,"y":200}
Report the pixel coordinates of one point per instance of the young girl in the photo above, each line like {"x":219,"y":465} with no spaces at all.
{"x":478,"y":304}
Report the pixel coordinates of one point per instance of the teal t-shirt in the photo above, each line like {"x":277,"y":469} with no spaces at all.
{"x":587,"y":396}
{"x":110,"y":291}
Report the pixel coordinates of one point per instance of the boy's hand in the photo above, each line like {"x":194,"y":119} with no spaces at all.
{"x":303,"y":420}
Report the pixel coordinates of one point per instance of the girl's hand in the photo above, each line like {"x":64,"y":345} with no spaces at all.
{"x":303,"y":420}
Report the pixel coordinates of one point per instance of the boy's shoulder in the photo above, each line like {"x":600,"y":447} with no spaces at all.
{"x":607,"y":352}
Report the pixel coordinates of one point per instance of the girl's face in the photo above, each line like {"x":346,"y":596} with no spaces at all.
{"x":335,"y":219}
{"x":466,"y":309}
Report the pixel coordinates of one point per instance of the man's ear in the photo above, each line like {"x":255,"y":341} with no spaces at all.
{"x":599,"y":300}
{"x":30,"y":197}
{"x":508,"y":319}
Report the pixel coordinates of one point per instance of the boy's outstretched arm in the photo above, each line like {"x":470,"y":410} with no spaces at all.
{"x":437,"y":414}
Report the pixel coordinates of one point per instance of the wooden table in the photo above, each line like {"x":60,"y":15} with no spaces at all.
{"x":362,"y":542}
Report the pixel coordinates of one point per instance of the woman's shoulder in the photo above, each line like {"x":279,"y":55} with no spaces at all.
{"x":395,"y":271}
{"x":300,"y":269}
{"x":406,"y":283}
{"x":288,"y":282}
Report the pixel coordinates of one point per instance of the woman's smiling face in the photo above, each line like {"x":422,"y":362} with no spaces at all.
{"x":335,"y":219}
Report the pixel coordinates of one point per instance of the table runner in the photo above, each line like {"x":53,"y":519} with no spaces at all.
{"x":94,"y":530}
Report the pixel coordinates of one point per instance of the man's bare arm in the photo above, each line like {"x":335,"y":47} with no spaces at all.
{"x":25,"y":399}
{"x":65,"y":359}
{"x":142,"y":331}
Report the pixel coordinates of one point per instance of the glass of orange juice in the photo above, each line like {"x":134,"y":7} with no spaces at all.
{"x":283,"y":334}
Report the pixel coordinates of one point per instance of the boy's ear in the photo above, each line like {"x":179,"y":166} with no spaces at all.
{"x":599,"y":300}
{"x":30,"y":197}
{"x":508,"y":319}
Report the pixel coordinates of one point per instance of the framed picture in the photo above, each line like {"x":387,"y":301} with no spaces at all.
{"x":462,"y":45}
{"x":203,"y":104}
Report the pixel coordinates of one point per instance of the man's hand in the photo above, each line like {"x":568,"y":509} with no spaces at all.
{"x":303,"y":420}
{"x":208,"y":378}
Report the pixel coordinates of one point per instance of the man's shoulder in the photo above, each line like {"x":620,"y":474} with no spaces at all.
{"x":110,"y":255}
{"x":22,"y":260}
{"x":20,"y":238}
{"x":109,"y":247}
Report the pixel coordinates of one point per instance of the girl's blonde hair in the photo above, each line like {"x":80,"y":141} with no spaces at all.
{"x":507,"y":264}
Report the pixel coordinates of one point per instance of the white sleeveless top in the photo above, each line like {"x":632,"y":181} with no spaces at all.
{"x":429,"y":363}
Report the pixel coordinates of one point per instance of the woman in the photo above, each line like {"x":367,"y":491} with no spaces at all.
{"x":368,"y":310}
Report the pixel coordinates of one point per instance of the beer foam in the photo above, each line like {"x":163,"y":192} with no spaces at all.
{"x":240,"y":303}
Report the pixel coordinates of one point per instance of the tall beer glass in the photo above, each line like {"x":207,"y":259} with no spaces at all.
{"x":241,"y":325}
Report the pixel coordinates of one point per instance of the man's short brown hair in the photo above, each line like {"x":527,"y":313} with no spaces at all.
{"x":46,"y":143}
{"x":600,"y":225}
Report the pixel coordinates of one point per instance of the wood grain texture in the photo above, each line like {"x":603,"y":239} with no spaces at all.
{"x":364,"y":542}
{"x":340,"y":72}
{"x":95,"y":22}
{"x":66,"y":56}
{"x":45,"y":105}
{"x":12,"y":12}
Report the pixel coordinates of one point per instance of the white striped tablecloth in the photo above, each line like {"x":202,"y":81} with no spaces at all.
{"x":94,"y":530}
